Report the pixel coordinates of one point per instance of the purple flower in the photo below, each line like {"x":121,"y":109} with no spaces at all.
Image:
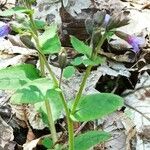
{"x":136,"y":42}
{"x":4,"y":30}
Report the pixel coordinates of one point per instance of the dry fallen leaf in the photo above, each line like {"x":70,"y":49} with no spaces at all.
{"x":6,"y":133}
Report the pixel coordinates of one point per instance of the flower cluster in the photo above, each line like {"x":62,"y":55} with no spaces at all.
{"x":103,"y":20}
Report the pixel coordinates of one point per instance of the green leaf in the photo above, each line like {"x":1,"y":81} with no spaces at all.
{"x":89,"y":139}
{"x":33,"y":92}
{"x":47,"y":142}
{"x":56,"y":105}
{"x":77,"y":61}
{"x":68,"y":71}
{"x":19,"y":27}
{"x":39,"y":24}
{"x":43,"y":114}
{"x":52,"y":45}
{"x":97,"y":61}
{"x":12,"y":78}
{"x":80,"y":47}
{"x":49,"y":40}
{"x":15,"y":10}
{"x":96,"y":106}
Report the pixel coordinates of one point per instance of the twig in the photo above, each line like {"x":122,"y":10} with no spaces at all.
{"x":137,"y":89}
{"x":133,"y":108}
{"x":80,"y":128}
{"x":117,"y":84}
{"x":146,"y":6}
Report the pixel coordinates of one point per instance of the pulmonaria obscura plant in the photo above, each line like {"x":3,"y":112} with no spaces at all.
{"x":32,"y":86}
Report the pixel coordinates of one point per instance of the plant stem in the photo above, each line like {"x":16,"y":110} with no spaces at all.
{"x":42,"y":68}
{"x":79,"y":93}
{"x":69,"y":124}
{"x":71,"y":135}
{"x":87,"y":73}
{"x":78,"y":96}
{"x":51,"y":122}
{"x":47,"y":104}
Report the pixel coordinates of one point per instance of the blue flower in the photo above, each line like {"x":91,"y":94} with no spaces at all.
{"x":136,"y":42}
{"x":4,"y":30}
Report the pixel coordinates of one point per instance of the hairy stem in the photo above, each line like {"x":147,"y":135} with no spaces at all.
{"x":51,"y":122}
{"x":42,"y":68}
{"x":44,"y":60}
{"x":78,"y":96}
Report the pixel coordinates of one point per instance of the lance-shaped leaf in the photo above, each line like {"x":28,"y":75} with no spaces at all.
{"x":96,"y":106}
{"x":87,"y":140}
{"x":12,"y":78}
{"x":80,"y":47}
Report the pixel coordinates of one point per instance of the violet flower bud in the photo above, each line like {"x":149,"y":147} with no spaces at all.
{"x":106,"y":20}
{"x":134,"y":41}
{"x":116,"y":20}
{"x":4,"y":30}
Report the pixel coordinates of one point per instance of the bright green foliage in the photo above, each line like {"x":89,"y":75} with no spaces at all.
{"x":77,"y":61}
{"x":47,"y":142}
{"x":33,"y":92}
{"x":80,"y":47}
{"x":68,"y":71}
{"x":15,"y":10}
{"x":96,"y":106}
{"x":39,"y":24}
{"x":86,"y":61}
{"x":90,"y":139}
{"x":19,"y":28}
{"x":97,"y":61}
{"x":13,"y":78}
{"x":55,"y":103}
{"x":43,"y":114}
{"x":49,"y":40}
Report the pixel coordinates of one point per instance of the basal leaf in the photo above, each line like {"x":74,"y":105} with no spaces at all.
{"x":15,"y":77}
{"x":96,"y":106}
{"x":80,"y":47}
{"x":33,"y":92}
{"x":89,"y":139}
